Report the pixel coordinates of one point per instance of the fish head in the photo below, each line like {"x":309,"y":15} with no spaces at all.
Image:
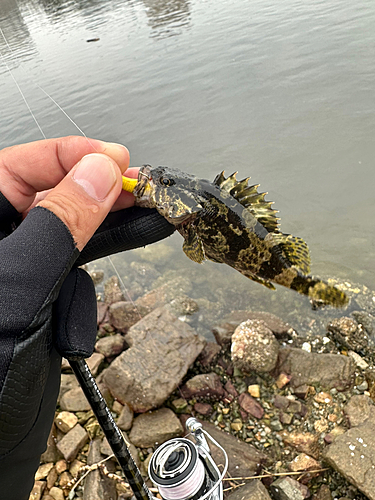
{"x":175,"y":194}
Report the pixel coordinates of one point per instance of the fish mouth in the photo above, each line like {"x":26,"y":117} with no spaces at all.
{"x":144,"y":189}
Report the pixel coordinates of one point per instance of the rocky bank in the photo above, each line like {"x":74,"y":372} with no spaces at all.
{"x":295,"y":414}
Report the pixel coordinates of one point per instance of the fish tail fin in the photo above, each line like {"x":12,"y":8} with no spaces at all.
{"x":319,"y":292}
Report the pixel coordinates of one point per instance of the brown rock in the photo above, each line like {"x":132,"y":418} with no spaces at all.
{"x":56,"y":493}
{"x":111,"y":346}
{"x":43,"y":471}
{"x":94,"y":362}
{"x":112,"y":291}
{"x":203,"y":408}
{"x":328,"y":370}
{"x":123,"y":315}
{"x":72,"y":442}
{"x":250,"y":405}
{"x":209,"y":353}
{"x":154,"y":428}
{"x":349,"y":334}
{"x":97,"y":485}
{"x":324,"y":493}
{"x":37,"y":491}
{"x":288,"y":488}
{"x":207,"y":385}
{"x":51,"y":454}
{"x":359,"y":409}
{"x":74,"y":400}
{"x":52,"y":477}
{"x":125,"y":419}
{"x":102,"y":312}
{"x":229,"y":387}
{"x":304,"y":462}
{"x":65,"y":421}
{"x":304,"y":442}
{"x":254,"y":490}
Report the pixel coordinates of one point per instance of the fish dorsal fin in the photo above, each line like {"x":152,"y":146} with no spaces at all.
{"x":295,"y":250}
{"x":249,"y":198}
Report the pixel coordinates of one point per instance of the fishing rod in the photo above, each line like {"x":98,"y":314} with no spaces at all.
{"x":181,"y":469}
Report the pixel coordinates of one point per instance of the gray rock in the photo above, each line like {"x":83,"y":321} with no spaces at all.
{"x":97,"y":485}
{"x":224,"y":330}
{"x":244,"y":459}
{"x":359,"y":409}
{"x":161,"y":350}
{"x":123,"y":315}
{"x":111,"y":346}
{"x":349,"y":334}
{"x":125,"y":419}
{"x":183,"y":305}
{"x":254,"y":347}
{"x":154,"y":428}
{"x":72,"y":442}
{"x":352,"y":454}
{"x":207,"y":385}
{"x":367,"y":321}
{"x":286,"y":488}
{"x":74,"y":400}
{"x":255,"y":490}
{"x":328,"y":370}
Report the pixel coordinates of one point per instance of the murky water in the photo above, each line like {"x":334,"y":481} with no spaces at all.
{"x":283,"y":91}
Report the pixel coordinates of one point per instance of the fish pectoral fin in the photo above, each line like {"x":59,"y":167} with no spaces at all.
{"x":263,"y":282}
{"x":193,"y":247}
{"x":295,"y":250}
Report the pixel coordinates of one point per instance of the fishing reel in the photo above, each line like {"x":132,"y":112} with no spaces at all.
{"x":185,"y":470}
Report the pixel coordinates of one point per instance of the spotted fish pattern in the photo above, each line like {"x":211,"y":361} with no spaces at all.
{"x":229,"y":221}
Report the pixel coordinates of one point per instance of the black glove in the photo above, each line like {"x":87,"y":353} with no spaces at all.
{"x":47,"y":305}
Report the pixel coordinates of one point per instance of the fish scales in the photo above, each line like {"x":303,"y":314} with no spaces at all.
{"x":228,"y":221}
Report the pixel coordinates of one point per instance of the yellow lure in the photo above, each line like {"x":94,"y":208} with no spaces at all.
{"x":128,"y":184}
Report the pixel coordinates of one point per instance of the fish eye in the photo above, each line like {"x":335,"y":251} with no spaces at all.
{"x":166,"y":181}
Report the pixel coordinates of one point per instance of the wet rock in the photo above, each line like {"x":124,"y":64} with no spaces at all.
{"x":112,"y":291}
{"x":72,"y":442}
{"x":250,"y":405}
{"x":165,"y":293}
{"x":206,"y":385}
{"x":286,"y":488}
{"x":349,"y":334}
{"x":352,"y":455}
{"x":224,"y":330}
{"x":94,"y":362}
{"x":125,"y":419}
{"x":209,"y":353}
{"x":359,"y":409}
{"x":254,"y":347}
{"x":183,"y":305}
{"x":328,"y":370}
{"x":367,"y":321}
{"x":161,"y":350}
{"x":154,"y":428}
{"x":244,"y":459}
{"x":97,"y":276}
{"x":123,"y":315}
{"x":111,"y":346}
{"x":203,"y":408}
{"x":254,"y":490}
{"x":144,"y":272}
{"x":97,"y":485}
{"x":65,"y":421}
{"x":74,"y":400}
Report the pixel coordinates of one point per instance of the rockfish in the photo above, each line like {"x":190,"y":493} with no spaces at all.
{"x":230,"y":222}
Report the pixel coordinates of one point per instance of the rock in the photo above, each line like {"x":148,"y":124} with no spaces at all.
{"x":203,"y":408}
{"x":179,"y":405}
{"x":206,"y":385}
{"x":165,"y":293}
{"x":65,"y":421}
{"x":111,"y":346}
{"x":112,"y":291}
{"x":324,"y":493}
{"x":282,"y":380}
{"x":209,"y":353}
{"x":94,"y":362}
{"x":254,"y":490}
{"x":304,"y":442}
{"x":72,"y":442}
{"x":123,"y":315}
{"x":52,"y":477}
{"x":51,"y":454}
{"x":349,"y":334}
{"x":229,"y":387}
{"x":74,"y":400}
{"x":304,"y":462}
{"x":154,"y":428}
{"x":359,"y":409}
{"x":68,"y":382}
{"x":254,"y":390}
{"x":244,"y":459}
{"x":302,"y":391}
{"x":286,"y":488}
{"x":57,"y":493}
{"x":366,"y":320}
{"x":328,"y":370}
{"x":250,"y":405}
{"x":75,"y":467}
{"x":254,"y":347}
{"x":281,"y":402}
{"x":61,"y":466}
{"x":97,"y":485}
{"x":97,"y":276}
{"x":65,"y":478}
{"x":43,"y":471}
{"x":102,"y":310}
{"x":352,"y":455}
{"x":161,"y":350}
{"x":125,"y":419}
{"x":183,"y":305}
{"x":224,"y":330}
{"x":37,"y":491}
{"x":358,"y":360}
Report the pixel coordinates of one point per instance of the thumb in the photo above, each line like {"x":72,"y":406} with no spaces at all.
{"x":85,"y":196}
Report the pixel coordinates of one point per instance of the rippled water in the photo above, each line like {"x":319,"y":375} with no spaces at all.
{"x":281,"y":90}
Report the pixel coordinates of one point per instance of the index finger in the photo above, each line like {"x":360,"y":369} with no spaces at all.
{"x":37,"y":166}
